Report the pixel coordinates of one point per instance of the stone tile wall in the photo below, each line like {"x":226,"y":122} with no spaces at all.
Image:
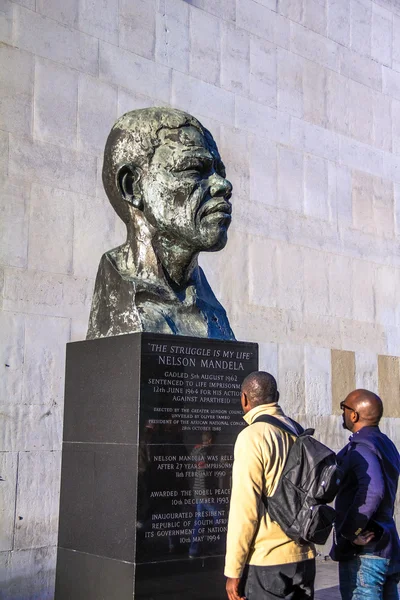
{"x":303,"y":97}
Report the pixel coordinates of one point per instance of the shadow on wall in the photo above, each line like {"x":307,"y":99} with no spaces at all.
{"x":37,"y":586}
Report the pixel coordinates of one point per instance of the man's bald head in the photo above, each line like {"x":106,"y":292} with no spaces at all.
{"x":367,"y":405}
{"x":260,"y":388}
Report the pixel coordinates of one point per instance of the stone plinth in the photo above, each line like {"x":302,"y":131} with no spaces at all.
{"x":149,"y":426}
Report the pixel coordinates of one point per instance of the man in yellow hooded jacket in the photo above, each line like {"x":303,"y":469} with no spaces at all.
{"x":262,"y":562}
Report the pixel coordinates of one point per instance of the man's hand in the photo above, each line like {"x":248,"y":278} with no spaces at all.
{"x":232,"y":589}
{"x":364,"y":538}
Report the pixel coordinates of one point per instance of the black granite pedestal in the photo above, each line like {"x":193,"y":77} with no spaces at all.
{"x":149,"y":426}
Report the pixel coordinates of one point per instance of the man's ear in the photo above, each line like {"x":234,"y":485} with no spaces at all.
{"x":128,"y":178}
{"x":277,"y":396}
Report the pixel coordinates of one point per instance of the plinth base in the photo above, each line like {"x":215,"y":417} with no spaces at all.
{"x":149,"y":427}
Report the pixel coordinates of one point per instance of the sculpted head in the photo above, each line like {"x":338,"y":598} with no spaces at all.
{"x":163,"y":164}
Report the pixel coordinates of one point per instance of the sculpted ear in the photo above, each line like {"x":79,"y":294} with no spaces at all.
{"x":128,"y":178}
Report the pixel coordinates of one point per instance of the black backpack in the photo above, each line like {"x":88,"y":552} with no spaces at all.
{"x":310,"y":479}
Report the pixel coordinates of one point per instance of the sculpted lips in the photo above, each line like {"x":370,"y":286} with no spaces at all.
{"x":217,"y":207}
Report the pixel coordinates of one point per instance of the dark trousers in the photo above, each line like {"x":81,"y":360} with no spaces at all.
{"x":293,"y":581}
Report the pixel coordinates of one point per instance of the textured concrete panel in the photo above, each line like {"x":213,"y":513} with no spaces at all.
{"x":138,"y":74}
{"x":56,"y":98}
{"x":389,"y":384}
{"x":315,"y":47}
{"x":315,"y":15}
{"x":8,"y":488}
{"x":317,"y":380}
{"x":316,"y":187}
{"x":290,"y":268}
{"x":4,"y":152}
{"x":97,"y":112}
{"x":6,"y":19}
{"x":12,"y":327}
{"x":263,"y":57}
{"x":235,"y":59}
{"x":290,"y":9}
{"x":360,"y":26}
{"x":268,"y":358}
{"x":339,"y":21}
{"x":314,"y":139}
{"x":263,"y":265}
{"x":94,"y":233}
{"x":28,"y":574}
{"x":64,"y":11}
{"x":314,"y":93}
{"x":14,"y":208}
{"x":263,"y":170}
{"x":363,"y":291}
{"x":48,"y":163}
{"x":381,"y":35}
{"x":51,"y":229}
{"x":205,"y":54}
{"x":31,"y":427}
{"x":362,"y":198}
{"x":382,"y":121}
{"x":201,"y":98}
{"x":129,"y":101}
{"x":343,"y":199}
{"x":99,"y":19}
{"x":337,"y":102}
{"x":328,"y":430}
{"x":291,"y":378}
{"x":44,"y":359}
{"x":224,"y":9}
{"x":316,"y":282}
{"x":290,"y":179}
{"x":367,"y":370}
{"x":360,"y":117}
{"x":360,"y":68}
{"x":257,"y":19}
{"x":343,"y":377}
{"x":36,"y":511}
{"x":49,"y":39}
{"x":340,"y":286}
{"x":396,"y":43}
{"x":387,"y":295}
{"x":39,"y":292}
{"x":16,"y":91}
{"x":172,"y":34}
{"x":256,"y":117}
{"x":137,"y":26}
{"x":360,"y":156}
{"x":289,"y":82}
{"x":391,"y":83}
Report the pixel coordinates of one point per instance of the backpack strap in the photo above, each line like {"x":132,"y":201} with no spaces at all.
{"x":280,"y":425}
{"x":283,"y":427}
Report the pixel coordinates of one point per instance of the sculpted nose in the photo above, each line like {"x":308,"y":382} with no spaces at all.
{"x":220,"y":187}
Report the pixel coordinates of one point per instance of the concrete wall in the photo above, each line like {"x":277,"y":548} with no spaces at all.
{"x":303,"y":97}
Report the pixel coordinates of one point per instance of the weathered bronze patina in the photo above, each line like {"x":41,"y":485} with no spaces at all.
{"x":164,"y":177}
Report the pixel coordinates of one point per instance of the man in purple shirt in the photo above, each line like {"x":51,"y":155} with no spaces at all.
{"x":366,"y":542}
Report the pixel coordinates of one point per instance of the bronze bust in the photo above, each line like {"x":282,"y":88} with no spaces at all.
{"x":164,"y":177}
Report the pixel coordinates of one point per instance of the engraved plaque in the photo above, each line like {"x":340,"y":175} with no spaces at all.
{"x":190,"y":415}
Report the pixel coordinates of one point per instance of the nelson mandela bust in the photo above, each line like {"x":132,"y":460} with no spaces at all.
{"x":164,"y":177}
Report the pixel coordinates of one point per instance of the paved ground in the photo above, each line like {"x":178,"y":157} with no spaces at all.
{"x":326,"y":582}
